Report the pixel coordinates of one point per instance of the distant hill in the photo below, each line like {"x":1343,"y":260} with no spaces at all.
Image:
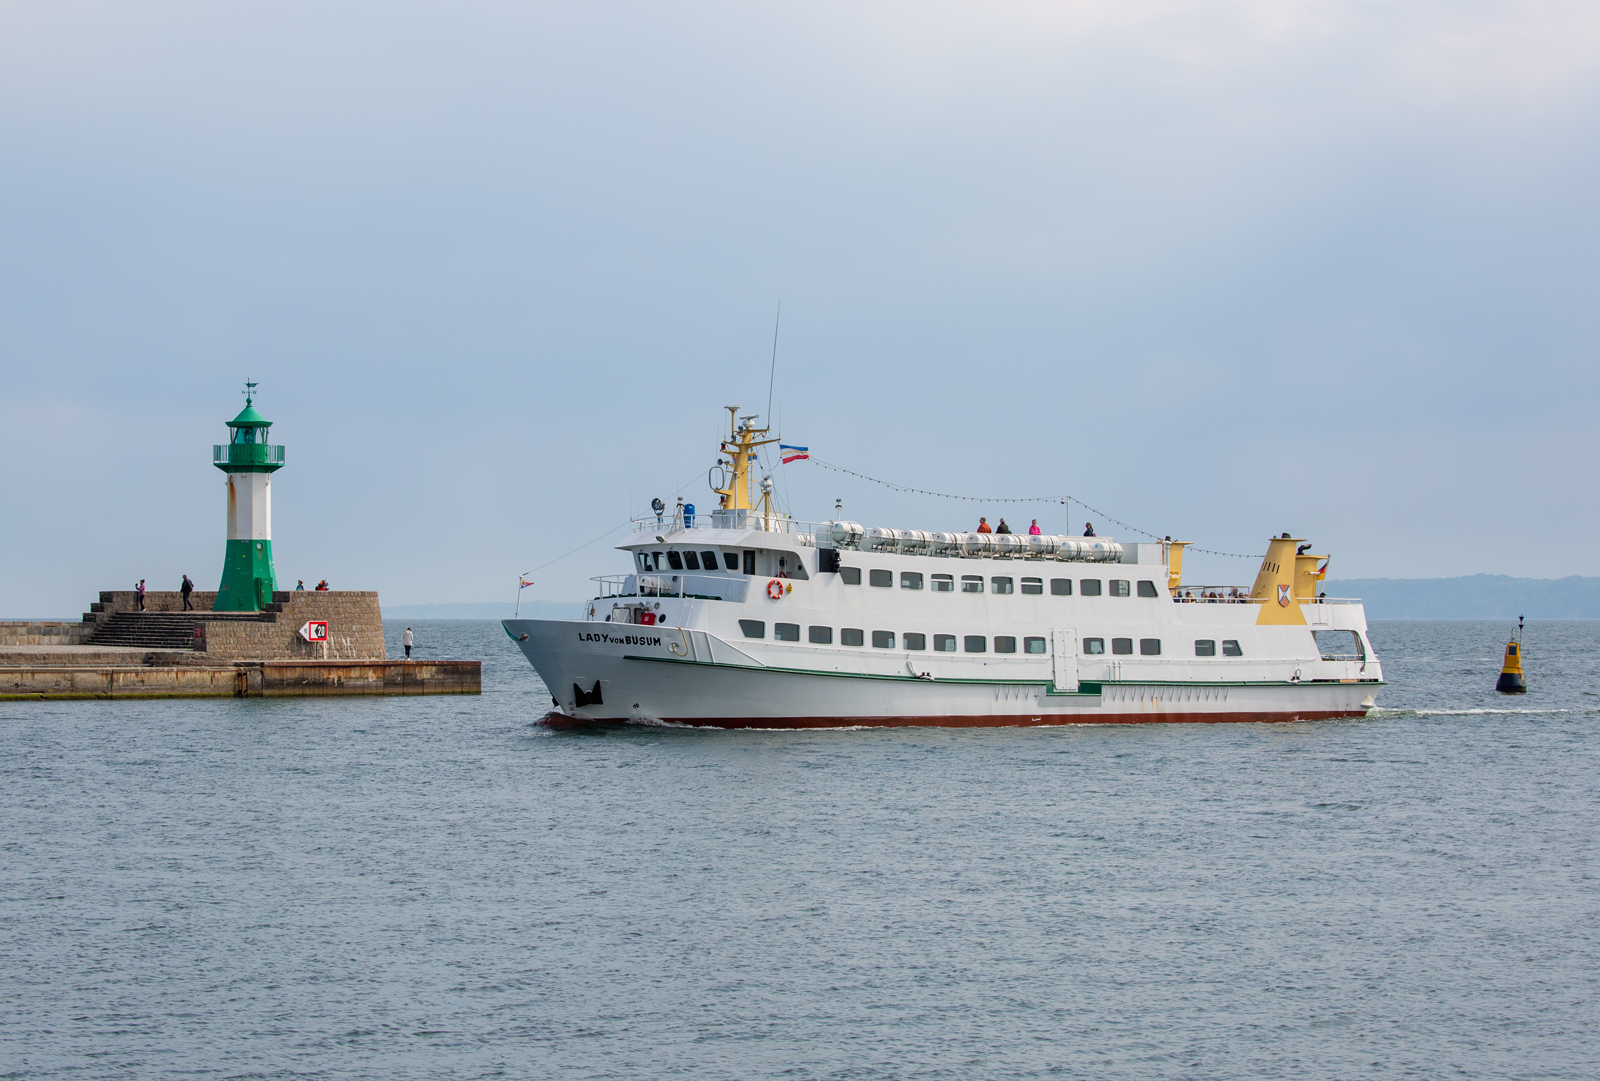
{"x":1478,"y":596}
{"x":486,"y":610}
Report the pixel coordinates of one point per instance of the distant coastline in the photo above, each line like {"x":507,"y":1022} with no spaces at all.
{"x":1477,"y":596}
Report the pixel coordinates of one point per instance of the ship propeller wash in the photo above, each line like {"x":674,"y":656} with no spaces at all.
{"x":746,"y":618}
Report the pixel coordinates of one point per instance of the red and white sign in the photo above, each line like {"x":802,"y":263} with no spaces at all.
{"x":315,"y":630}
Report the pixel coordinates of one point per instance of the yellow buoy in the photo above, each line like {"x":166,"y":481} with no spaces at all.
{"x":1511,"y":681}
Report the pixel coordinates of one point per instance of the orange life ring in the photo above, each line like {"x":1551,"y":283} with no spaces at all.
{"x":775,"y":590}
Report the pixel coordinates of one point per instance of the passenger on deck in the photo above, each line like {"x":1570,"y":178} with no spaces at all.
{"x":1003,"y":527}
{"x":1088,"y":529}
{"x":1034,"y":530}
{"x":983,"y":526}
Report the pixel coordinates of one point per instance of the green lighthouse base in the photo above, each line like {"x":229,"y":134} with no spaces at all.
{"x":247,"y":577}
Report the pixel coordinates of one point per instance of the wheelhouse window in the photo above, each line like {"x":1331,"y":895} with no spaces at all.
{"x":675,"y":561}
{"x":1230,"y":648}
{"x":1148,"y":589}
{"x":944,"y":643}
{"x":1205,"y":647}
{"x":1088,"y":587}
{"x":942,"y":583}
{"x":975,"y":643}
{"x":1119,"y":587}
{"x":1033,"y":585}
{"x":730,"y":560}
{"x":851,"y":636}
{"x":1003,"y":585}
{"x":910,"y":579}
{"x":786,"y":632}
{"x":913,"y":640}
{"x":820,"y":636}
{"x":1094,"y":646}
{"x":691,"y":561}
{"x":1061,"y":587}
{"x":882,"y":639}
{"x":972,"y":583}
{"x":1149,"y":647}
{"x":709,"y":560}
{"x":753,"y":628}
{"x":644,"y":561}
{"x":881,"y":578}
{"x":1122,"y":645}
{"x":1005,"y":643}
{"x":1033,"y":645}
{"x":850,"y":576}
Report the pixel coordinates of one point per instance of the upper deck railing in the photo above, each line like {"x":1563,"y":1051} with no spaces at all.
{"x":709,"y":587}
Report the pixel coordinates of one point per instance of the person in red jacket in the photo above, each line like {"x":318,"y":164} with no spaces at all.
{"x":983,"y":526}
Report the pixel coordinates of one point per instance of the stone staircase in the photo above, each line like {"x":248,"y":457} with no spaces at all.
{"x":159,"y":630}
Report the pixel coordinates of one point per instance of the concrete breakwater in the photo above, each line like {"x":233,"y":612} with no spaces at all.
{"x":244,"y":679}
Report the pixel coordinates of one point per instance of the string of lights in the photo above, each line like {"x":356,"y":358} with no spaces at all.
{"x":1063,"y":499}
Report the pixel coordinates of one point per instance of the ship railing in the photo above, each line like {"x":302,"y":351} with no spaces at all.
{"x":806,"y":532}
{"x":706,"y":587}
{"x":1240,"y":595}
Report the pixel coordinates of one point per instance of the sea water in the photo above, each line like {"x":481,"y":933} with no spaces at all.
{"x":443,"y":888}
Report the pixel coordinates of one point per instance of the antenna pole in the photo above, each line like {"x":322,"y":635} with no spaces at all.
{"x":773,"y":374}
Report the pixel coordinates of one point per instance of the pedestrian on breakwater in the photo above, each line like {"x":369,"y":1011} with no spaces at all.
{"x":300,"y":585}
{"x":138,"y":591}
{"x":405,"y":640}
{"x":187,"y":588}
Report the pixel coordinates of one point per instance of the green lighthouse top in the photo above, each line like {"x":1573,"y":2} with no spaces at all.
{"x":247,"y":450}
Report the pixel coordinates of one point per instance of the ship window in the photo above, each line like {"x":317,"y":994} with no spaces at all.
{"x":881,"y":578}
{"x":655,"y":561}
{"x":644,"y":560}
{"x":1033,"y":645}
{"x":1088,"y":587}
{"x":691,"y":561}
{"x":1094,"y":645}
{"x":971,"y":583}
{"x":1061,"y":587}
{"x":910,"y":579}
{"x":975,"y":643}
{"x":1122,"y":645}
{"x":1004,"y":643}
{"x":913,"y":640}
{"x":944,"y":643}
{"x":1150,"y":647}
{"x":1148,"y":589}
{"x":749,"y":562}
{"x":753,"y":628}
{"x":786,"y":632}
{"x":1230,"y":648}
{"x":709,"y":560}
{"x":821,"y":636}
{"x":1205,"y":647}
{"x":1119,"y":587}
{"x":882,"y":639}
{"x":1003,"y":585}
{"x":850,"y":576}
{"x":943,"y":583}
{"x":730,"y":560}
{"x":675,"y":560}
{"x":851,"y":636}
{"x":1032,"y":585}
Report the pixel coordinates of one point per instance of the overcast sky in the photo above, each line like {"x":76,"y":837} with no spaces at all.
{"x":1217,"y":269}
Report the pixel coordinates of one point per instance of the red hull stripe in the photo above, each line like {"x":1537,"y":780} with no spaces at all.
{"x":557,"y":720}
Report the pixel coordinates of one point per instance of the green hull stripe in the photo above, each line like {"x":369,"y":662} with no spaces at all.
{"x":247,"y":577}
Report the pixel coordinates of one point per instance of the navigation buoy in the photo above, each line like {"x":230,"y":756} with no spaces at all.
{"x":1511,"y":681}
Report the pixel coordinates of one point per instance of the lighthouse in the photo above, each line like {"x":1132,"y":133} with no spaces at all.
{"x":249,"y":460}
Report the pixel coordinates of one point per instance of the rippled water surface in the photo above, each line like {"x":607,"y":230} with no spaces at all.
{"x":441,"y":888}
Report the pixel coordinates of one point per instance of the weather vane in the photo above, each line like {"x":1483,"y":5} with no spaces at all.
{"x":249,"y":392}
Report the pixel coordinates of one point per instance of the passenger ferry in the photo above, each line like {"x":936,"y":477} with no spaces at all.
{"x":746,"y":618}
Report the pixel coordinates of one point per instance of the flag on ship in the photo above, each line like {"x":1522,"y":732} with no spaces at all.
{"x":793,"y":454}
{"x":1322,"y":572}
{"x":525,"y":584}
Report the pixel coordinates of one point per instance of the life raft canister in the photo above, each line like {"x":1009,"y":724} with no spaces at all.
{"x":775,"y":589}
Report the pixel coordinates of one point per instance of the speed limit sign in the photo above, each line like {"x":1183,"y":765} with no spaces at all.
{"x":315,"y":630}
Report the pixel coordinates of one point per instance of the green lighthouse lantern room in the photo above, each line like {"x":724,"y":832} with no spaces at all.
{"x":249,"y":460}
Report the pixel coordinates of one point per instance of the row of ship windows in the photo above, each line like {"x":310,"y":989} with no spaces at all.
{"x":973,"y":583}
{"x":693,"y":561}
{"x":970,"y":643}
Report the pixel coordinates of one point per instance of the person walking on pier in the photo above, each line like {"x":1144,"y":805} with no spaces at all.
{"x":406,"y":640}
{"x":187,"y":588}
{"x":138,"y":591}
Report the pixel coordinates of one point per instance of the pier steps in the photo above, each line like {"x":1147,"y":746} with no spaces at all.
{"x":159,"y":630}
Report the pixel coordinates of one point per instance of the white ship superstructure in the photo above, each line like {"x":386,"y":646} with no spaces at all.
{"x":745,"y":618}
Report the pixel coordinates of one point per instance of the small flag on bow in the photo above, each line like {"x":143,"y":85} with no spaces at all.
{"x":793,"y":454}
{"x":525,"y":584}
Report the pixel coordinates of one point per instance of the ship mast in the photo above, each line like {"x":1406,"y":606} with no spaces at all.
{"x":742,"y":490}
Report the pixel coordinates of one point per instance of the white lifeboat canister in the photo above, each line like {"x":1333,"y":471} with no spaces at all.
{"x":880,"y":539}
{"x":977,"y":544}
{"x":845,"y":534}
{"x":945,"y":543}
{"x":913,"y":540}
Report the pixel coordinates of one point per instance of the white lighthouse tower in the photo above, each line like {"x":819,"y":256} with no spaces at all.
{"x":249,"y":460}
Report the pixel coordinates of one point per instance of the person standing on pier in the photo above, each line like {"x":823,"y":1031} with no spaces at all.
{"x":138,"y":591}
{"x":186,"y":589}
{"x":405,"y":640}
